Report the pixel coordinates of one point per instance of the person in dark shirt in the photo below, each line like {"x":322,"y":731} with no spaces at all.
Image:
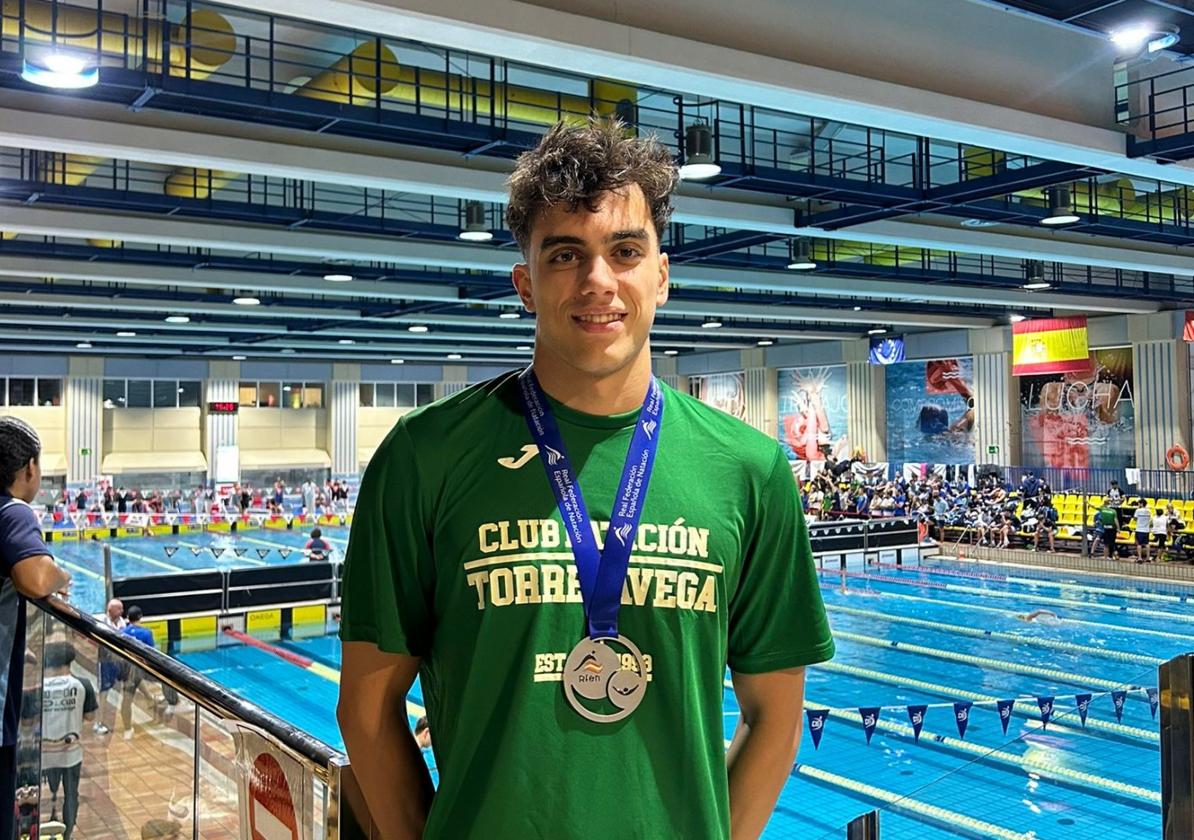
{"x":317,"y":547}
{"x":26,"y":571}
{"x":122,"y":501}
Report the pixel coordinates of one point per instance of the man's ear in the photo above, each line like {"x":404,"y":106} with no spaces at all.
{"x":664,"y":272}
{"x":521,"y":277}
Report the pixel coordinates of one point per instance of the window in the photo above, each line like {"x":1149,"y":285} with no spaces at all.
{"x":49,"y":392}
{"x":292,"y":395}
{"x":113,"y":393}
{"x":396,"y":395}
{"x":165,"y":393}
{"x":406,"y":395}
{"x":269,"y":394}
{"x":366,"y":395}
{"x":385,"y":394}
{"x":248,"y":394}
{"x":312,"y":395}
{"x":140,"y":394}
{"x":188,"y":394}
{"x":425,"y":393}
{"x":20,"y":391}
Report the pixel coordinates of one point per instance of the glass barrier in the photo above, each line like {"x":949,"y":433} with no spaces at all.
{"x":117,"y":740}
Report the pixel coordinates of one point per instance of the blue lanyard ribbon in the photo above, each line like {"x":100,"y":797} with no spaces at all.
{"x":602,"y":574}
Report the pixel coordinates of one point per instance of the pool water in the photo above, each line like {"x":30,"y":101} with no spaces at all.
{"x":935,"y":636}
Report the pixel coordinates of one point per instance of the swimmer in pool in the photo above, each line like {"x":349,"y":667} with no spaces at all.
{"x":1040,"y":616}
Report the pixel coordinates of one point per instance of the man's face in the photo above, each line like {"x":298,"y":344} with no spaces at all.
{"x":594,"y":281}
{"x":33,"y":484}
{"x":115,"y":609}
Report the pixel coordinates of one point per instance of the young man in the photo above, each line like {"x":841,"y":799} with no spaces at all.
{"x":600,"y":669}
{"x":317,"y":547}
{"x":1160,"y":531}
{"x":28,"y":571}
{"x":68,"y":704}
{"x":1046,"y":523}
{"x":1107,"y":528}
{"x":1144,"y":520}
{"x":135,"y":677}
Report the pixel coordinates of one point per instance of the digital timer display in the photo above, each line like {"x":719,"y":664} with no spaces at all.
{"x":222,"y":407}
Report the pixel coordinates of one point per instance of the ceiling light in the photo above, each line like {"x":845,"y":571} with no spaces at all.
{"x":711,"y":324}
{"x":178,"y":319}
{"x":800,"y":256}
{"x":1060,"y":211}
{"x":523,"y":347}
{"x":476,"y":228}
{"x":698,"y":153}
{"x":84,"y":345}
{"x":347,"y":341}
{"x":1015,"y":319}
{"x":978,"y":223}
{"x":765,"y":342}
{"x":510,"y":316}
{"x":238,"y":358}
{"x":286,"y":388}
{"x":671,"y":352}
{"x":1131,"y":37}
{"x":876,"y":331}
{"x":63,"y":70}
{"x":289,"y":351}
{"x":417,"y":328}
{"x":455,"y":356}
{"x":397,"y":361}
{"x":125,"y":334}
{"x":1165,"y":39}
{"x":1034,"y":276}
{"x":338,"y":278}
{"x":247,"y":300}
{"x":857,"y":308}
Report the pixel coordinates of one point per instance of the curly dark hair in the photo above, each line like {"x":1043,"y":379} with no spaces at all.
{"x":574,"y":165}
{"x":19,"y":444}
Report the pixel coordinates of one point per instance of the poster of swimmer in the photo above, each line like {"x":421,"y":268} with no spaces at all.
{"x":726,"y":391}
{"x":812,"y":413}
{"x":930,"y":412}
{"x":1085,"y":419}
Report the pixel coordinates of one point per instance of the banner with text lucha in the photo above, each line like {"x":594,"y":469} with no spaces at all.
{"x":272,"y":789}
{"x":816,"y":724}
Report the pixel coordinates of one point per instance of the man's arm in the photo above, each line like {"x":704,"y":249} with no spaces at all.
{"x":38,"y":576}
{"x":386,"y":761}
{"x":764,"y":746}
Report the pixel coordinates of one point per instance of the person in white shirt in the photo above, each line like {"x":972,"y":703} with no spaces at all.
{"x":1160,"y":529}
{"x":111,"y":669}
{"x":1143,"y":517}
{"x":68,"y":702}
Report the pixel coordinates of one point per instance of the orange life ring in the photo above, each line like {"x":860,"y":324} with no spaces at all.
{"x":1177,"y":458}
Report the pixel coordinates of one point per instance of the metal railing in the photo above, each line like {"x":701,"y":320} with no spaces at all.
{"x":182,"y":757}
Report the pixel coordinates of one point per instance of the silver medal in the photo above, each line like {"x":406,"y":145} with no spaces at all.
{"x":595,"y":672}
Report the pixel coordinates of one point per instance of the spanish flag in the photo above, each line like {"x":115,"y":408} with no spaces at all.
{"x":1050,"y":345}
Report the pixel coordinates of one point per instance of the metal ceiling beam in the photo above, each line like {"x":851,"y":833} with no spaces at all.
{"x":306,"y":161}
{"x":309,"y":244}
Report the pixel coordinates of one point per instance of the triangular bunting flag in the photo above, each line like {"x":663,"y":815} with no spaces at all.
{"x":916,"y":716}
{"x":1005,"y":712}
{"x":1153,"y":701}
{"x":261,"y":552}
{"x":241,"y":552}
{"x":1083,"y":703}
{"x":107,"y":517}
{"x":962,"y":714}
{"x":171,"y":550}
{"x":285,"y":552}
{"x":257,"y":519}
{"x":217,"y":552}
{"x":78,"y":519}
{"x":343,"y":520}
{"x":1046,"y":706}
{"x":1117,"y":699}
{"x":196,"y":550}
{"x":289,"y":518}
{"x":203,"y":518}
{"x":870,"y":719}
{"x":816,"y":724}
{"x":171,"y":518}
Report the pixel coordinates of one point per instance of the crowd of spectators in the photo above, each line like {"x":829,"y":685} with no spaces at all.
{"x":993,"y":512}
{"x":310,"y":498}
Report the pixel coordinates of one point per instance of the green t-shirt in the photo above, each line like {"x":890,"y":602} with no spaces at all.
{"x":457,"y":555}
{"x":1107,"y":517}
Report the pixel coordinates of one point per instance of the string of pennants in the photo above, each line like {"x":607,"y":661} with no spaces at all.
{"x":218,"y":551}
{"x":143,"y":520}
{"x":817,"y":718}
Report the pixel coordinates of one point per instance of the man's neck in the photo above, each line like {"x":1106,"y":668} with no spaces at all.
{"x":619,"y":392}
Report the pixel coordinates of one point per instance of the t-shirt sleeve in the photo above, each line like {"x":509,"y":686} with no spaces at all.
{"x":389,"y":574}
{"x":89,"y":701}
{"x":20,"y":536}
{"x":777,"y":618}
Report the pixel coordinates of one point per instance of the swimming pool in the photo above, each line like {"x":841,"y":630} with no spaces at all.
{"x":956,"y":639}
